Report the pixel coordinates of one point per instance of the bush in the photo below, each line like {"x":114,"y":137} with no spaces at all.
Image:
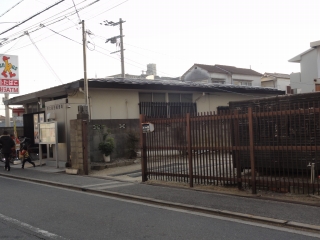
{"x":132,"y":144}
{"x":106,"y":147}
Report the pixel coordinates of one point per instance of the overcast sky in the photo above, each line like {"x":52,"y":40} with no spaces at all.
{"x":263,"y":34}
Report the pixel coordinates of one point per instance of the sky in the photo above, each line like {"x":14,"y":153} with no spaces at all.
{"x":262,"y":35}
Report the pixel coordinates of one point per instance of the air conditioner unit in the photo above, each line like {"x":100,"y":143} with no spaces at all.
{"x":83,"y":109}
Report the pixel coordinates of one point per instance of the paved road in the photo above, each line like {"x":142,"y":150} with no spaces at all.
{"x":56,"y":213}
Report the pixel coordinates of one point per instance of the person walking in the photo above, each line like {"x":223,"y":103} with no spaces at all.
{"x":26,"y":157}
{"x":7,"y":145}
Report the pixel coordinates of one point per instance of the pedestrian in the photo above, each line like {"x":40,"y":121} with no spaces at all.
{"x":26,"y":157}
{"x":7,"y":145}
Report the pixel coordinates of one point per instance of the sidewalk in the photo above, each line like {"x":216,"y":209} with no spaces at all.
{"x":118,"y":183}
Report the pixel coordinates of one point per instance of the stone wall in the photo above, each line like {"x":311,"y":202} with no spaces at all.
{"x":119,"y":129}
{"x":80,"y":159}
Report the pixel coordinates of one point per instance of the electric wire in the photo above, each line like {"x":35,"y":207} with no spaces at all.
{"x":12,"y":46}
{"x":11,"y":8}
{"x":108,"y":9}
{"x":76,"y":11}
{"x":54,"y":18}
{"x":44,"y":58}
{"x":70,"y":14}
{"x":32,"y":17}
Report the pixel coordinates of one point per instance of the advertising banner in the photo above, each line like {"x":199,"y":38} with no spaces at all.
{"x":9,"y":74}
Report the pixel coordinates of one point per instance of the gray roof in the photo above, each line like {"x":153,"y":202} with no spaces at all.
{"x":138,"y":84}
{"x":277,"y":75}
{"x":226,"y":69}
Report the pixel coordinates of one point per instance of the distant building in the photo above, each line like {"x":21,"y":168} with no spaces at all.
{"x":308,"y":80}
{"x":150,"y":74}
{"x":222,"y":74}
{"x":279,"y":81}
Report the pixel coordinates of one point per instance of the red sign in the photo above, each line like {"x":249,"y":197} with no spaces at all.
{"x":9,"y":82}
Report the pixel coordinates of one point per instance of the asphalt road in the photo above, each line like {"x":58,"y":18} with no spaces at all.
{"x":29,"y":210}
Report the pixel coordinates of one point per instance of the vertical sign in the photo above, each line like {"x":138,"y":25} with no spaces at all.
{"x":36,"y":128}
{"x":41,"y":117}
{"x":9,"y":74}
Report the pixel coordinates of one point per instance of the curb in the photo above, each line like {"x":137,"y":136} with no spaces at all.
{"x":192,"y":208}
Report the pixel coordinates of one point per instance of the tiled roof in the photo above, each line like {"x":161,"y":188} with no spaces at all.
{"x":278,"y":75}
{"x":228,"y":69}
{"x":180,"y":84}
{"x":138,"y":84}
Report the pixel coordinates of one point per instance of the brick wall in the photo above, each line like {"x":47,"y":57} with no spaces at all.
{"x":78,"y":146}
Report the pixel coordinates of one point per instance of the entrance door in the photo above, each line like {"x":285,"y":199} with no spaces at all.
{"x":317,"y":87}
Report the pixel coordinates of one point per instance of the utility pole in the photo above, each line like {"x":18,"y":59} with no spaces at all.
{"x":114,"y":40}
{"x":84,"y":40}
{"x":121,"y":47}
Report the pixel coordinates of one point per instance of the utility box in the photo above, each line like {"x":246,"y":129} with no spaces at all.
{"x":147,"y":127}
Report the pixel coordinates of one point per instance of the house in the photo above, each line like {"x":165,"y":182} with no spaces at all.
{"x":118,"y":103}
{"x":222,"y":74}
{"x":308,"y":79}
{"x":275,"y":80}
{"x":150,"y":74}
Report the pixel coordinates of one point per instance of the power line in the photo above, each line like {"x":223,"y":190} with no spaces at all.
{"x":108,"y":9}
{"x":11,"y":8}
{"x":32,"y":17}
{"x":49,"y":23}
{"x":76,"y":11}
{"x":44,"y":58}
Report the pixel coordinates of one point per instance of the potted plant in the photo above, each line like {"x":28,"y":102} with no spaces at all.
{"x":106,"y":147}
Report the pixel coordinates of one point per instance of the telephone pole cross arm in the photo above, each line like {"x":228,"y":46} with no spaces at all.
{"x":114,"y":40}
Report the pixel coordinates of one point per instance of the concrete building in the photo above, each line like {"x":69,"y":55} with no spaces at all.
{"x":278,"y":81}
{"x":308,"y":79}
{"x":125,"y":99}
{"x":222,"y":74}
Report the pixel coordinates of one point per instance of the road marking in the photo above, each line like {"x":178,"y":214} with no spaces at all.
{"x":31,"y":228}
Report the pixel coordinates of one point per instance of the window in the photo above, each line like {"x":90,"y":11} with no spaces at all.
{"x":217,"y":80}
{"x":180,"y":97}
{"x":242,"y":82}
{"x":155,"y":105}
{"x":152,"y":97}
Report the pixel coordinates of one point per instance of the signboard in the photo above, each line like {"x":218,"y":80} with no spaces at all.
{"x":9,"y":74}
{"x":36,"y":128}
{"x":48,"y":133}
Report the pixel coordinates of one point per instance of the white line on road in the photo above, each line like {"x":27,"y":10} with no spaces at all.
{"x":31,"y":228}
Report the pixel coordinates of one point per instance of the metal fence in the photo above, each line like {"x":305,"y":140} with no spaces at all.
{"x":270,"y":150}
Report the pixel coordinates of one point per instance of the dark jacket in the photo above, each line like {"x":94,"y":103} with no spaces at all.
{"x":7,"y":144}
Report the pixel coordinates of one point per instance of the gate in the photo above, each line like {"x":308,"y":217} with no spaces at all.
{"x":235,"y":149}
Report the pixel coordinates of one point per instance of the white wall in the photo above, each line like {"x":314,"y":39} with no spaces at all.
{"x":295,"y":82}
{"x":270,"y":84}
{"x":256,"y":80}
{"x":221,"y":76}
{"x":112,"y":103}
{"x":282,"y":83}
{"x":211,"y":101}
{"x":309,"y":72}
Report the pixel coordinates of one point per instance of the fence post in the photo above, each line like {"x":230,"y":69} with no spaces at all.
{"x":189,"y":149}
{"x":143,"y":150}
{"x":237,"y":144}
{"x":85,"y":147}
{"x":253,"y":172}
